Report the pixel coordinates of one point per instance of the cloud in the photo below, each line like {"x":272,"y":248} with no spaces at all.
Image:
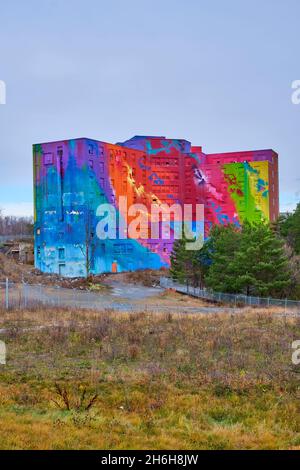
{"x":20,"y":209}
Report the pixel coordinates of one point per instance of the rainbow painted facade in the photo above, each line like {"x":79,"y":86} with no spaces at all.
{"x":73,"y":177}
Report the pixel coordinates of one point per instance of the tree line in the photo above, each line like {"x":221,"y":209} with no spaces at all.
{"x":12,"y":225}
{"x":256,"y":259}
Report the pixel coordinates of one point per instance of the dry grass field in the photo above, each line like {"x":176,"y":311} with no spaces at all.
{"x":86,"y":380}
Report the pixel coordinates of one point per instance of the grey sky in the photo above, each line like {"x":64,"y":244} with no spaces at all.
{"x":218,"y":73}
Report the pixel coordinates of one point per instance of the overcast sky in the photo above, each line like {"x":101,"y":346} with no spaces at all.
{"x":218,"y":73}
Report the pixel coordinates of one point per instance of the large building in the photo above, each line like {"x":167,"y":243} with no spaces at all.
{"x":73,"y":177}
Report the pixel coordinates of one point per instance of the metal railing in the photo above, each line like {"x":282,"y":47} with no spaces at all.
{"x":232,"y":299}
{"x":22,"y":296}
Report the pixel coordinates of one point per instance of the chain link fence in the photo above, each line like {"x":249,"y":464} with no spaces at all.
{"x":232,"y":299}
{"x":22,"y":296}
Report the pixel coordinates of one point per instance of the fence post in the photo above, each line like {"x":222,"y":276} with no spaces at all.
{"x":6,"y":294}
{"x":285,"y":305}
{"x":24,"y":295}
{"x":41,"y":298}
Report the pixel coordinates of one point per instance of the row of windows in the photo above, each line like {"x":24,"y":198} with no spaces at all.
{"x":49,"y":160}
{"x":163,"y":162}
{"x":122,"y":248}
{"x":60,"y":252}
{"x":118,"y":248}
{"x":167,"y":189}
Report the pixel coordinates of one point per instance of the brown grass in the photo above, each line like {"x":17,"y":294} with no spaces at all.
{"x":147,"y":277}
{"x":17,"y":272}
{"x":214,"y":381}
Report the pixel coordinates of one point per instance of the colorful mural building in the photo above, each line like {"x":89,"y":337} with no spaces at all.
{"x":73,"y":177}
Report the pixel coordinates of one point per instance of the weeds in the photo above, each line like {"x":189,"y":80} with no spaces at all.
{"x":79,"y":403}
{"x":148,"y":381}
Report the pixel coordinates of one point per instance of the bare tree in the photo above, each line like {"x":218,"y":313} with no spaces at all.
{"x":88,"y":247}
{"x":12,"y":225}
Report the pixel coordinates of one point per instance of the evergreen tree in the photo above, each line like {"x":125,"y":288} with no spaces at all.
{"x":289,"y":228}
{"x":294,"y":266}
{"x":251,"y":261}
{"x":223,"y":243}
{"x":261,"y":262}
{"x":202,"y":262}
{"x":187,"y":266}
{"x":181,"y":262}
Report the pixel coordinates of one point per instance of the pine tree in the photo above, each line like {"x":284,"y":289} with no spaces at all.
{"x":201,"y":263}
{"x":181,"y":262}
{"x":187,"y":266}
{"x":261,"y":263}
{"x":223,"y":242}
{"x":251,"y":261}
{"x":289,"y":228}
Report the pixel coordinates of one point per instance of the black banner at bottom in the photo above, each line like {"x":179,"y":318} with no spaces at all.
{"x":141,"y":459}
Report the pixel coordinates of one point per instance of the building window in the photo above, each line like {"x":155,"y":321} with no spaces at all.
{"x":91,"y":149}
{"x":118,"y":248}
{"x":61,"y":253}
{"x":91,"y":163}
{"x":48,"y":158}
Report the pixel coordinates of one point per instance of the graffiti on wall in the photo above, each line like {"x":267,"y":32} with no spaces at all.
{"x":72,"y":178}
